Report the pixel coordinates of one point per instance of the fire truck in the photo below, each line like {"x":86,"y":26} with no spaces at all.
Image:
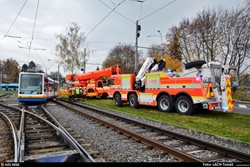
{"x":207,"y":85}
{"x":95,"y":83}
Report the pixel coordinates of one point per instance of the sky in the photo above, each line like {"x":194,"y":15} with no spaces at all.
{"x":54,"y":16}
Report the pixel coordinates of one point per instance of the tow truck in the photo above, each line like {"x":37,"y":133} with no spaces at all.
{"x":207,"y":85}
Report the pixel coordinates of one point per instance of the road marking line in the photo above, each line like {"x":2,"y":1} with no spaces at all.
{"x":242,"y":106}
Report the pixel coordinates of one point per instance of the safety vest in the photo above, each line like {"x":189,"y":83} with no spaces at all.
{"x":77,"y":91}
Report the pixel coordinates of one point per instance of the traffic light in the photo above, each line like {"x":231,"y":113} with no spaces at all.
{"x":138,"y":30}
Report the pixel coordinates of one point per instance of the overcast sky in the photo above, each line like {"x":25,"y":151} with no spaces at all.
{"x":55,"y":15}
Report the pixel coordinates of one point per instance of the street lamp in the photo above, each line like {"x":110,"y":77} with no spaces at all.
{"x":160,"y":34}
{"x":154,"y":36}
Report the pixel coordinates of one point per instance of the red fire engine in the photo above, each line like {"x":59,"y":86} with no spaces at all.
{"x":204,"y":84}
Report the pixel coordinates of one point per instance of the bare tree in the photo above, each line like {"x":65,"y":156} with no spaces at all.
{"x":123,"y":55}
{"x":198,"y":38}
{"x":215,"y":36}
{"x":155,"y":50}
{"x":54,"y":75}
{"x":70,"y":48}
{"x":235,"y":48}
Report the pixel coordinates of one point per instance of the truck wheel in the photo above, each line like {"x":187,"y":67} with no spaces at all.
{"x":165,"y":103}
{"x":133,"y":101}
{"x":90,"y":90}
{"x":104,"y":96}
{"x":118,"y":99}
{"x":184,"y":105}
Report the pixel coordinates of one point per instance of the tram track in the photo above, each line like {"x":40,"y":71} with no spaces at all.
{"x":183,"y":148}
{"x":8,"y":139}
{"x":6,"y":95}
{"x":41,"y":139}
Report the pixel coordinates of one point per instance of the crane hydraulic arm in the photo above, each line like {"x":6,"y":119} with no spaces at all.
{"x":94,"y":75}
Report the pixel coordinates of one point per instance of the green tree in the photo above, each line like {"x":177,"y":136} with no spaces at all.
{"x":70,"y":48}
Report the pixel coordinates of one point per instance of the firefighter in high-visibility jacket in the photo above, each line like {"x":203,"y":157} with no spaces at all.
{"x":81,"y":92}
{"x":77,"y":92}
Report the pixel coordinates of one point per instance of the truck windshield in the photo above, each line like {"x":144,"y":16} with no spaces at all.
{"x":31,"y":83}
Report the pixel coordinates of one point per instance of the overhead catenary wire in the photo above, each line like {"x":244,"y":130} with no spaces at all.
{"x":33,"y":29}
{"x":15,"y":19}
{"x":125,"y":17}
{"x":39,"y":58}
{"x":104,"y":18}
{"x":110,"y":42}
{"x":146,"y":16}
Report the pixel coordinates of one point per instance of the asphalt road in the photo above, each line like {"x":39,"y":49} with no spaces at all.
{"x":242,"y":107}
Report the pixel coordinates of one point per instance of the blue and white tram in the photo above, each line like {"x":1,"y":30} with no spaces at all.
{"x":36,"y":87}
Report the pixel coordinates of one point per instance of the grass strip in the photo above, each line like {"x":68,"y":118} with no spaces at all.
{"x":231,"y":125}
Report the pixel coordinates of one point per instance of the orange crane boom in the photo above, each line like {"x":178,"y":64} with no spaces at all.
{"x":94,"y":75}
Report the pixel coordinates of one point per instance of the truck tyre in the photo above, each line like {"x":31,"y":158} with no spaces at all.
{"x":184,"y":105}
{"x":90,"y":90}
{"x":165,"y":103}
{"x":133,"y":101}
{"x":104,"y":96}
{"x":196,"y":64}
{"x":118,"y":100}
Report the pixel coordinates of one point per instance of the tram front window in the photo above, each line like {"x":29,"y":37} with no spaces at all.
{"x":30,"y":84}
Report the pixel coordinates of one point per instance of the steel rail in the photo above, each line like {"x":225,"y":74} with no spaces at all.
{"x":210,"y":146}
{"x":14,"y":134}
{"x":20,"y":128}
{"x":21,"y":135}
{"x":80,"y":148}
{"x":6,"y":94}
{"x":65,"y":136}
{"x":175,"y":153}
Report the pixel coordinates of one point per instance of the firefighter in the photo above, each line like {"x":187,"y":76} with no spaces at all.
{"x":72,"y":93}
{"x":77,"y":92}
{"x":81,"y":94}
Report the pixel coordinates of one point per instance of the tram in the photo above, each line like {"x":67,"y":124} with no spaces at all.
{"x":36,"y":87}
